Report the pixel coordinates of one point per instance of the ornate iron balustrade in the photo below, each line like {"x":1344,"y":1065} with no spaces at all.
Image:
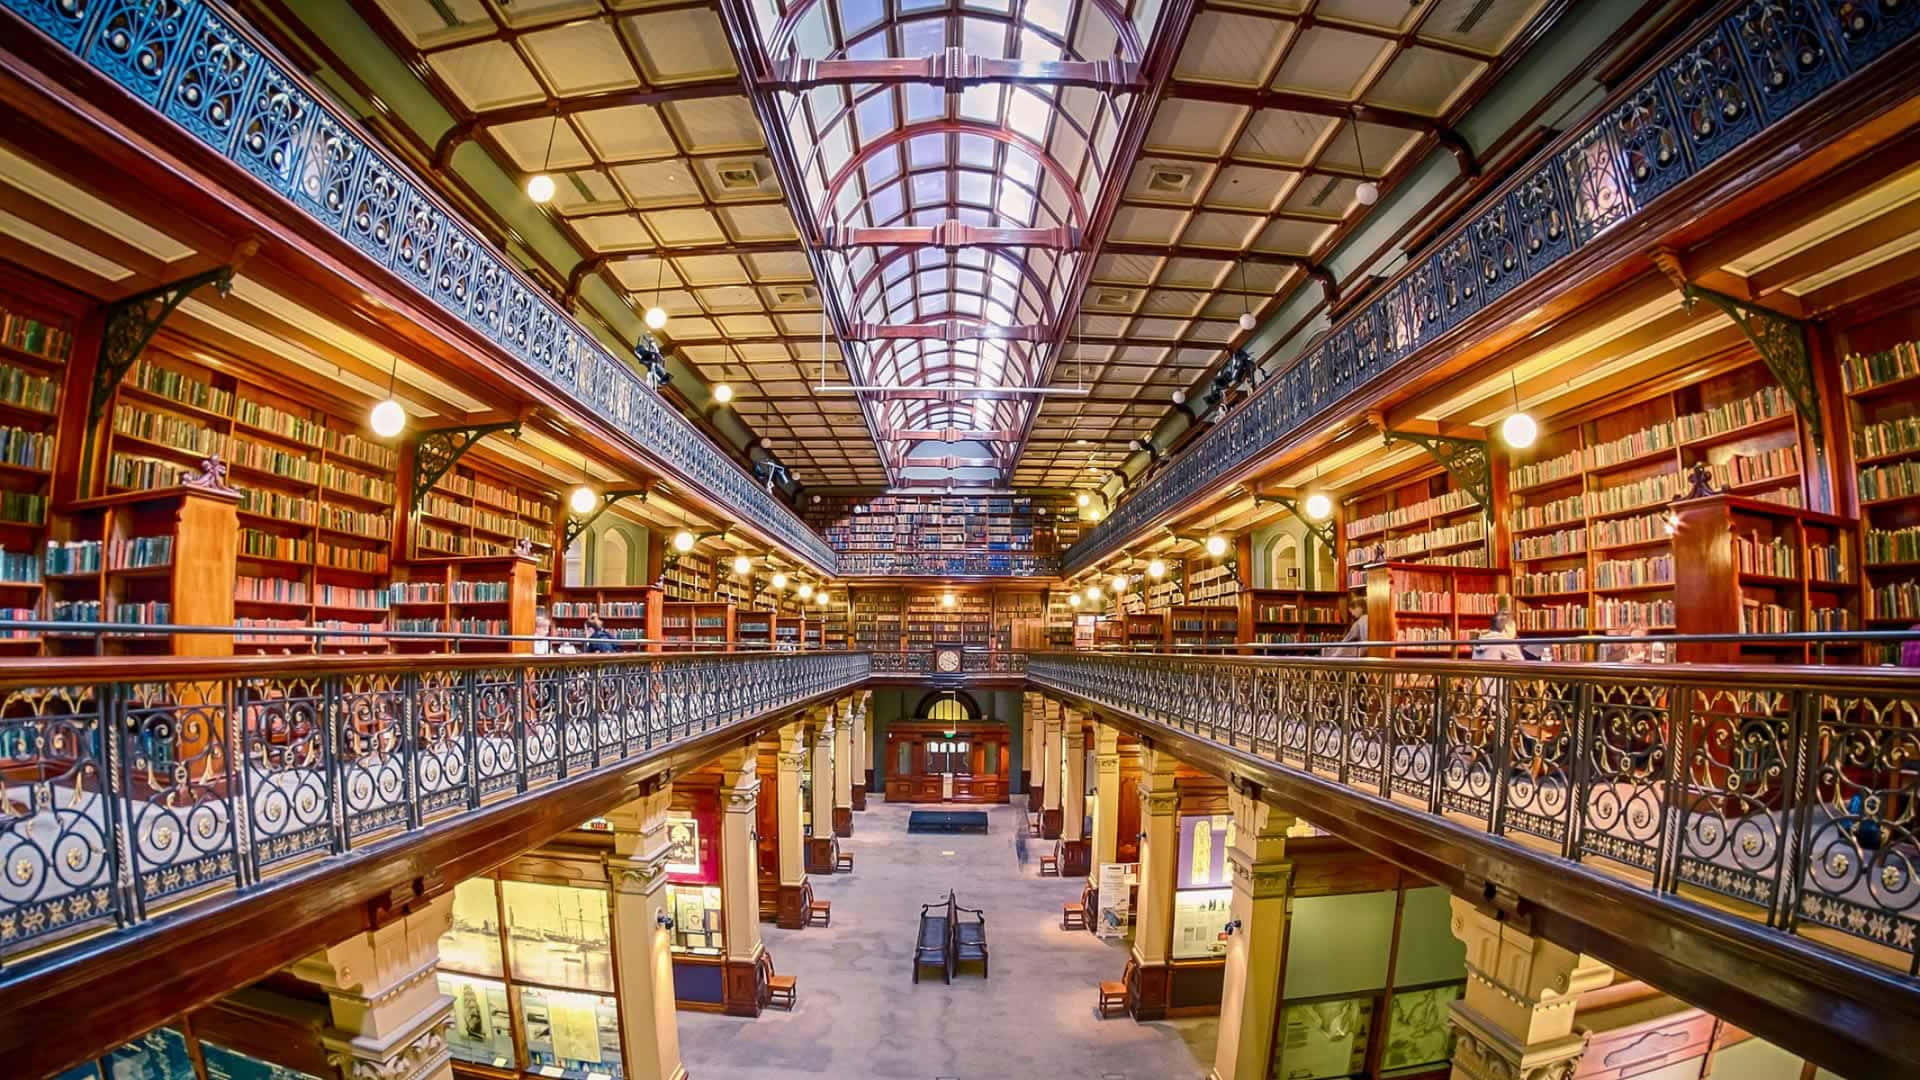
{"x":1793,"y":793}
{"x":972,"y":662}
{"x":924,"y":564}
{"x":161,"y":782}
{"x":212,"y":77}
{"x":1737,"y":76}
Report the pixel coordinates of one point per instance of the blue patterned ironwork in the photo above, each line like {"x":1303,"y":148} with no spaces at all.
{"x":1798,"y":798}
{"x":222,"y":84}
{"x":1733,"y":78}
{"x":123,"y":799}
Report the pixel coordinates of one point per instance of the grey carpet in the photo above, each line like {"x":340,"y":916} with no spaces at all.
{"x":860,"y":1015}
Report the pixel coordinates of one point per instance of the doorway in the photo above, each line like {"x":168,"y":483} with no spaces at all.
{"x":948,"y":753}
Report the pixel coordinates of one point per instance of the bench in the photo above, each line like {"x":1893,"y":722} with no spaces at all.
{"x":970,"y":938}
{"x":933,"y":947}
{"x":819,"y":912}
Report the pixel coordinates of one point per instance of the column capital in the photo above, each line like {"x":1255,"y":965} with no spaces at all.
{"x":638,"y":875}
{"x":1106,"y":764}
{"x":1527,"y":971}
{"x":1260,"y":879}
{"x":1482,"y":1051}
{"x":1161,"y":803}
{"x":792,"y":760}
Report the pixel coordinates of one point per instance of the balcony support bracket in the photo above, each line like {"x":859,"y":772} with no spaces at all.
{"x":1321,"y":529}
{"x":1464,"y":459}
{"x":436,"y":449}
{"x":578,"y":525}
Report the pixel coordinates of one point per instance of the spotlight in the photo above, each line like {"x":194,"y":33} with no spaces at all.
{"x":779,"y":581}
{"x":1519,"y":431}
{"x":1367,"y":193}
{"x":806,"y":592}
{"x":1216,"y":545}
{"x":722,"y":393}
{"x":742,"y":566}
{"x":1247,"y":321}
{"x":540,"y":187}
{"x":1318,"y":506}
{"x":656,"y":317}
{"x":1157,"y":569}
{"x":582,"y":499}
{"x":387,"y":419}
{"x":1084,"y":500}
{"x":683,"y":541}
{"x":946,"y":600}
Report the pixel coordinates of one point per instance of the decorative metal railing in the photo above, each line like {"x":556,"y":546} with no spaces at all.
{"x":932,"y":564}
{"x":927,"y":662}
{"x":1793,"y":792}
{"x":216,"y":80}
{"x":133,"y":786}
{"x":1735,"y":77}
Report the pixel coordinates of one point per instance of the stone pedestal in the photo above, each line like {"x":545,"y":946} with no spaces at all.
{"x":389,"y":1016}
{"x":1516,"y":1020}
{"x":1256,"y":949}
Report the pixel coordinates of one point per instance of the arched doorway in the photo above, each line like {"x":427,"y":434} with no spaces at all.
{"x":949,"y":752}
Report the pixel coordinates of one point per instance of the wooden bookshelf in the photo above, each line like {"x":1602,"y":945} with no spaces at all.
{"x":755,"y":629}
{"x":1277,"y":616}
{"x":161,"y":556}
{"x":1017,"y":616}
{"x":1591,"y":544}
{"x":686,"y":625}
{"x":629,"y":612}
{"x":483,"y":594}
{"x":1414,"y":602}
{"x":473,"y":511}
{"x":1746,"y":566}
{"x":1426,"y":520}
{"x":879,"y":619}
{"x":36,"y":341}
{"x":1192,"y":625}
{"x":987,"y":534}
{"x":930,"y":622}
{"x":1144,"y":630}
{"x":688,"y":578}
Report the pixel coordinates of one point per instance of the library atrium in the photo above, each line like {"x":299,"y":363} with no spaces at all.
{"x":959,"y":539}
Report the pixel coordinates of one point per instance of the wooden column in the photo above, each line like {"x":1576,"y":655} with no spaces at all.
{"x":643,"y":961}
{"x":1106,"y":797}
{"x":389,"y":1016}
{"x":843,"y":762}
{"x":743,"y":990}
{"x":1517,"y":1016}
{"x":1033,"y":753}
{"x":1256,"y":949}
{"x":1051,"y":776}
{"x":820,"y":845}
{"x":1076,"y":852}
{"x":1153,"y":913}
{"x":862,"y":750}
{"x":792,"y":905}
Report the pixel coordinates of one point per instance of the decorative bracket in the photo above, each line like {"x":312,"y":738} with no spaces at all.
{"x":1321,"y":529}
{"x":1464,"y":459}
{"x":577,"y":525}
{"x":1780,"y":339}
{"x":131,"y":324}
{"x":436,"y":449}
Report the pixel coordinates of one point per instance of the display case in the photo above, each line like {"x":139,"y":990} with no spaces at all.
{"x":1202,"y":887}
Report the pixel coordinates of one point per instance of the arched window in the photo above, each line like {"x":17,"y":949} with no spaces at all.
{"x":610,"y":558}
{"x":1285,"y":565}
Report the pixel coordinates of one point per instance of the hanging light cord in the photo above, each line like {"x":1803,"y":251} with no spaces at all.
{"x":1358,"y":154}
{"x":546,"y":161}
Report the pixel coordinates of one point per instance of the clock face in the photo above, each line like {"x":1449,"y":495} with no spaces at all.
{"x":947,"y":660}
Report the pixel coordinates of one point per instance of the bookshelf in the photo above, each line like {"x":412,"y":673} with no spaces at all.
{"x":1880,"y":380}
{"x":755,"y":629}
{"x":1743,"y":565}
{"x":1145,"y":630}
{"x":685,"y":625}
{"x":1210,"y":584}
{"x":35,"y":345}
{"x":878,"y":619}
{"x":688,"y":578}
{"x":959,"y":534}
{"x":1062,"y":618}
{"x":1276,"y":616}
{"x":835,"y":621}
{"x":1592,"y":549}
{"x":1193,"y":625}
{"x":474,"y":512}
{"x":1414,"y":602}
{"x":629,"y":612}
{"x":1426,"y":520}
{"x":124,"y":558}
{"x":483,"y":594}
{"x":930,"y":622}
{"x":1017,"y":617}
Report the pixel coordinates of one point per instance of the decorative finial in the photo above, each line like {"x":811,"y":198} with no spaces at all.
{"x":1700,"y":477}
{"x":212,"y":476}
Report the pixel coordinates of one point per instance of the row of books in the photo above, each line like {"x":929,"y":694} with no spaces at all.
{"x":130,"y":471}
{"x":1826,"y":619}
{"x":1552,"y":617}
{"x":274,"y":461}
{"x":1550,"y":545}
{"x":1287,"y":611}
{"x":348,"y":444}
{"x":1624,"y":573}
{"x":480,"y":592}
{"x":1536,"y":473}
{"x":1893,"y":545}
{"x":1647,"y":440}
{"x":1896,"y":436}
{"x":279,"y":505}
{"x":23,"y":507}
{"x":1400,"y":516}
{"x":1470,"y":531}
{"x":1862,"y":372}
{"x":31,"y":335}
{"x":613,"y":609}
{"x":1647,"y":491}
{"x":1780,"y":463}
{"x":1631,"y":530}
{"x":279,"y":421}
{"x":1615,"y":614}
{"x":271,"y":590}
{"x":1551,"y":581}
{"x":1759,"y":618}
{"x":166,"y":429}
{"x":512,"y":501}
{"x":19,"y":567}
{"x":1895,"y":600}
{"x":262,"y":631}
{"x":1773,"y":557}
{"x":344,"y":596}
{"x":1889,"y":481}
{"x":370,"y":524}
{"x":182,"y":388}
{"x":1764,"y":404}
{"x":26,"y":390}
{"x":1565,"y":511}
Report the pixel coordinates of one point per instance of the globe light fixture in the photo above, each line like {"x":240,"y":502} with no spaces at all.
{"x":946,"y":600}
{"x":1247,"y":321}
{"x":806,"y":591}
{"x":1179,"y":397}
{"x":1084,"y":500}
{"x":683,"y":541}
{"x":1157,"y":569}
{"x":387,"y":419}
{"x":821,"y":598}
{"x":722,"y":393}
{"x":1093,"y":594}
{"x":742,"y":566}
{"x":779,"y":581}
{"x":1216,"y":545}
{"x":1519,"y":431}
{"x":1073,"y":599}
{"x":582,"y":499}
{"x":1367,"y":193}
{"x":1318,"y":506}
{"x":656,"y":317}
{"x":540,"y":187}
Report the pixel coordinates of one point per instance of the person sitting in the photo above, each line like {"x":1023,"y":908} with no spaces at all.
{"x":599,"y":638}
{"x":1500,"y":642}
{"x":1357,"y":607}
{"x":1627,"y":652}
{"x":542,"y":633}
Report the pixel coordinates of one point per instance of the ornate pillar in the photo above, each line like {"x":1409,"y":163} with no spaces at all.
{"x":1106,"y":797}
{"x":643,"y":961}
{"x":820,"y":845}
{"x":792,"y":902}
{"x":843,"y":768}
{"x":742,"y":992}
{"x":1033,"y":756}
{"x":388,"y":1012}
{"x":1051,"y":780}
{"x":863,"y":750}
{"x":1153,"y":914}
{"x":1516,"y":1020}
{"x":1076,"y":852}
{"x":1256,"y":947}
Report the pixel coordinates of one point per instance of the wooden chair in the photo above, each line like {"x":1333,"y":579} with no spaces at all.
{"x":1050,"y":864}
{"x":782,"y":990}
{"x":1033,"y":823}
{"x":1073,"y":916}
{"x":843,"y":863}
{"x":1113,"y":995}
{"x":820,"y":913}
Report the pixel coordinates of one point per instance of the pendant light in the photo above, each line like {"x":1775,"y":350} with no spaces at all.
{"x":1216,"y":545}
{"x":1157,"y":569}
{"x":1519,"y":430}
{"x":1318,"y":506}
{"x":742,"y":566}
{"x":1073,"y":599}
{"x":540,"y":184}
{"x":656,"y":316}
{"x":387,"y":418}
{"x":1247,"y":321}
{"x":683,"y":541}
{"x":722,"y":393}
{"x":779,"y":582}
{"x":1368,"y":192}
